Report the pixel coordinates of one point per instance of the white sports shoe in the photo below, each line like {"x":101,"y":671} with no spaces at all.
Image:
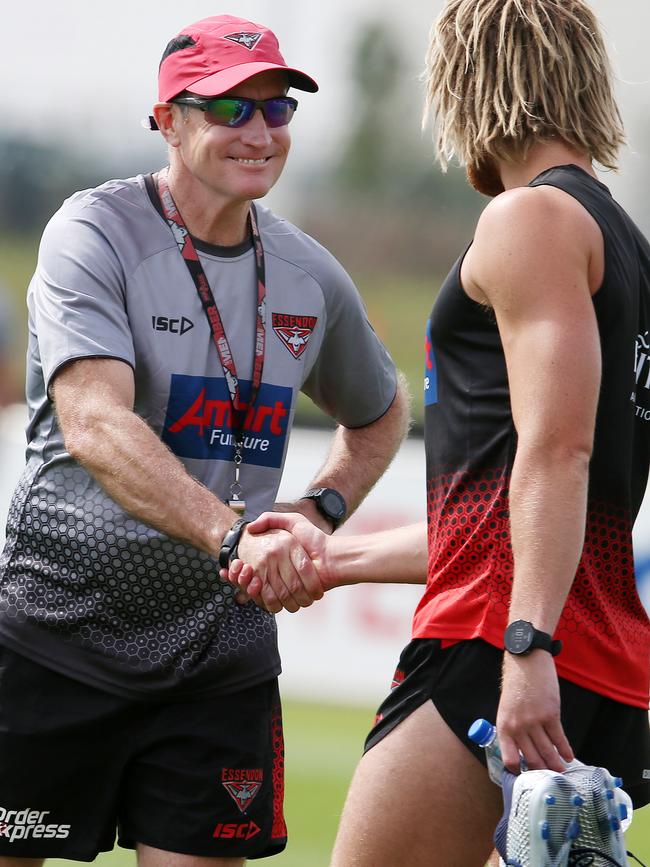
{"x":605,"y":814}
{"x":573,"y":819}
{"x":542,"y":820}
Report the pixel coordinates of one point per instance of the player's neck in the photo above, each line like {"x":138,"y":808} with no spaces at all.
{"x":542,"y":156}
{"x":208,"y":217}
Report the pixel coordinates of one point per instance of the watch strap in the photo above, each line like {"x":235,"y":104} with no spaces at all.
{"x":312,"y":494}
{"x":230,"y":543}
{"x":544,"y":641}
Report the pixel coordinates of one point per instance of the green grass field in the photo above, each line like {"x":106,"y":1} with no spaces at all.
{"x":323,"y":744}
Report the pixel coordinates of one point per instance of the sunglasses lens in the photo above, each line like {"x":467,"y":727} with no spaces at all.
{"x":278,"y":112}
{"x":229,"y":112}
{"x":238,"y":111}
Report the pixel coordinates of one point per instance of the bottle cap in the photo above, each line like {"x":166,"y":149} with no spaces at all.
{"x":481,"y":732}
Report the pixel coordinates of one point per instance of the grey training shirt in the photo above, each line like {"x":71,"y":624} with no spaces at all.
{"x":85,"y":588}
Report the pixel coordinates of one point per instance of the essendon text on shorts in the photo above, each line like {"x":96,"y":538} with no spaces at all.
{"x":23,"y":824}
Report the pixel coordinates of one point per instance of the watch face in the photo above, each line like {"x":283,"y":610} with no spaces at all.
{"x":519,"y":636}
{"x":332,"y":503}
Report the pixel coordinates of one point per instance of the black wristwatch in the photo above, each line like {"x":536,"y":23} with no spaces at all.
{"x":329,"y":503}
{"x":228,"y":550}
{"x":521,"y":637}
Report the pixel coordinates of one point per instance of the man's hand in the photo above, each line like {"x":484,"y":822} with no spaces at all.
{"x":528,"y":720}
{"x":278,"y":572}
{"x":307,"y":508}
{"x":275,"y":572}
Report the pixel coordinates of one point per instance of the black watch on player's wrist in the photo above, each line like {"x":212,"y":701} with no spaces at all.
{"x":521,"y":637}
{"x":228,"y":550}
{"x":329,"y":503}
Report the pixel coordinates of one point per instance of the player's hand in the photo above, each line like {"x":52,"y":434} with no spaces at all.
{"x":274,"y":570}
{"x":528,"y":720}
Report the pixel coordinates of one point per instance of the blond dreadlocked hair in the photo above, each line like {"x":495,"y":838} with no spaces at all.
{"x":502,"y":74}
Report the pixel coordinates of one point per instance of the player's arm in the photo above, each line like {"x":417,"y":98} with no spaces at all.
{"x":533,"y":262}
{"x":94,"y":401}
{"x":396,"y":556}
{"x":357,"y":458}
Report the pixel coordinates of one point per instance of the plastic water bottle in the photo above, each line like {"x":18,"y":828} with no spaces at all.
{"x":484,"y":734}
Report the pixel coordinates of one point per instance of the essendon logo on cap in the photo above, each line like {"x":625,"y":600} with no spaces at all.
{"x":294,"y":331}
{"x":248,"y":40}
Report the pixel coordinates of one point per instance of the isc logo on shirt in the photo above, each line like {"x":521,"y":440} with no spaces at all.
{"x":199,"y":421}
{"x":179,"y":325}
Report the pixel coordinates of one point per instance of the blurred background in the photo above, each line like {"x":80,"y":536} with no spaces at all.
{"x":76,"y":80}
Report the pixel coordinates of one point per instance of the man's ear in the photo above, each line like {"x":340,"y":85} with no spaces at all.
{"x":167,"y":119}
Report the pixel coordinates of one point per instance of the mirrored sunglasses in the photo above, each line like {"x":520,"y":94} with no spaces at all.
{"x":235,"y":111}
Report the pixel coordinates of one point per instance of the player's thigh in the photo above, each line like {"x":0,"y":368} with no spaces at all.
{"x":418,"y":797}
{"x":150,"y":857}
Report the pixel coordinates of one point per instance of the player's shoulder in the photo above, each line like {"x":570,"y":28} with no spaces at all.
{"x":540,"y":215}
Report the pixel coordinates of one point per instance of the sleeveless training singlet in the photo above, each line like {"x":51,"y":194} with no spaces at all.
{"x":471,"y":443}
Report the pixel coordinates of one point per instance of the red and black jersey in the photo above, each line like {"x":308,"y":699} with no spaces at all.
{"x":471,"y":442}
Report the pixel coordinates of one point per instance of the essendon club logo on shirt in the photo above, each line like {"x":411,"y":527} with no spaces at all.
{"x":242,"y":784}
{"x":294,"y":331}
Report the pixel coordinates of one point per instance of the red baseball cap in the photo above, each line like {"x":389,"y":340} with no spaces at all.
{"x":221,"y":52}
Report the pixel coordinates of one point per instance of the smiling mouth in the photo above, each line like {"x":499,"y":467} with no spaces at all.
{"x":248,"y":162}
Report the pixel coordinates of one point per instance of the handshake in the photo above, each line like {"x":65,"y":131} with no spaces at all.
{"x":284,"y":561}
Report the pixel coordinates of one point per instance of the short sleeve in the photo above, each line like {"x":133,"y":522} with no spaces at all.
{"x":77,"y":296}
{"x":353,"y":379}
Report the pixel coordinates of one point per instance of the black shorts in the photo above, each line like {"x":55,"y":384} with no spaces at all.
{"x":463,"y":681}
{"x":199,"y":777}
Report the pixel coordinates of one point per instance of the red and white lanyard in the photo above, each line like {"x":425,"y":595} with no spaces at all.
{"x":191,"y":257}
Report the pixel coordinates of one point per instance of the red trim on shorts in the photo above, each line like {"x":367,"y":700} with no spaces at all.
{"x":279,"y":828}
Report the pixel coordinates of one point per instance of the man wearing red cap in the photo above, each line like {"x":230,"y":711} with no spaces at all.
{"x":172,"y":325}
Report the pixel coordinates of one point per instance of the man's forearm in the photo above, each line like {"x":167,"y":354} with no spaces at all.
{"x":358,"y":457}
{"x":548,"y":498}
{"x":141,"y":474}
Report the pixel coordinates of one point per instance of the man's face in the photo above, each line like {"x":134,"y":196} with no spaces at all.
{"x":237,"y":163}
{"x":485,"y":178}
